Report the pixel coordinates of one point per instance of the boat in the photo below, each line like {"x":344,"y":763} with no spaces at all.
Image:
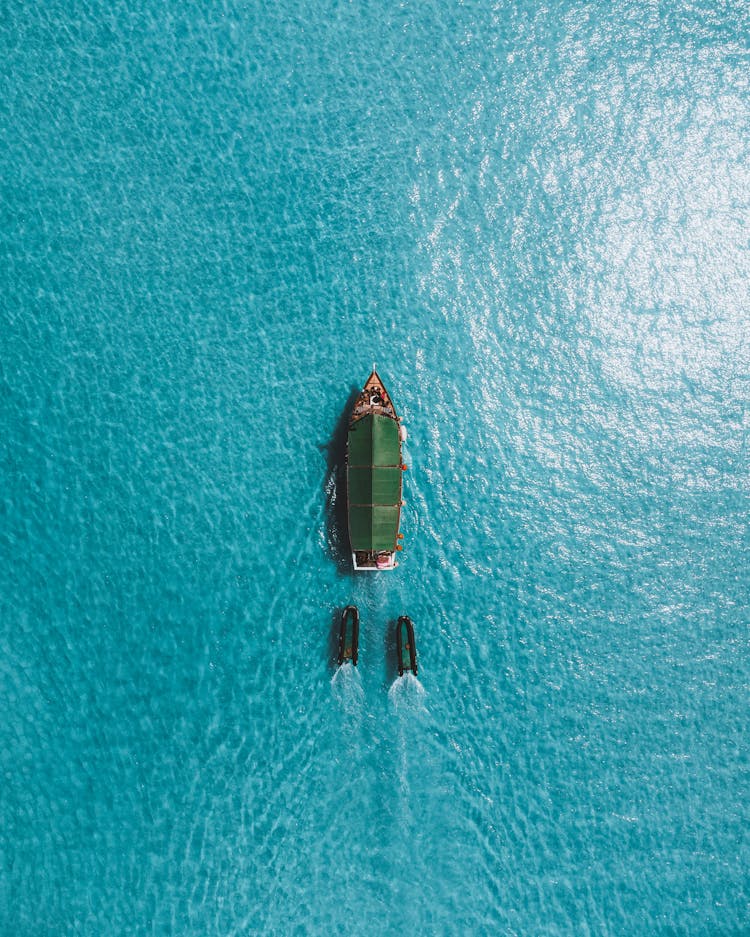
{"x":373,"y":478}
{"x":406,"y":649}
{"x":349,"y":635}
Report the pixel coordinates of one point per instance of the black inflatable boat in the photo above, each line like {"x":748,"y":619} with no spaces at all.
{"x":349,"y":635}
{"x":405,"y":647}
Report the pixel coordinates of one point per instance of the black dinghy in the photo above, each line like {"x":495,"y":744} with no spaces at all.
{"x":349,"y":635}
{"x":405,"y":647}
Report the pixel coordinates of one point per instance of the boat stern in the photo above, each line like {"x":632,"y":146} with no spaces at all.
{"x":366,"y":561}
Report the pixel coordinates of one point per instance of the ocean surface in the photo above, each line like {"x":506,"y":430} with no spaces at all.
{"x":534,"y":218}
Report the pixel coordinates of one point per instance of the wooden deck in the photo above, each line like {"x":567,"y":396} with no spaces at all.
{"x":373,"y":399}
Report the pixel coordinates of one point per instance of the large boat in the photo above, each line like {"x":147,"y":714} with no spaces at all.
{"x":373,"y":478}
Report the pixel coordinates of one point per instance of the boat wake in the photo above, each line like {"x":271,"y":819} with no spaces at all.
{"x":347,"y":688}
{"x":407,"y":694}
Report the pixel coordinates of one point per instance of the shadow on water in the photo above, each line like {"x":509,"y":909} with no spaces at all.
{"x":337,"y":533}
{"x":333,"y":639}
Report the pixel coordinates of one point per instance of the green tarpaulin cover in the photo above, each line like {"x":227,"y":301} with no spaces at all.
{"x":374,"y":440}
{"x":374,"y":483}
{"x":373,"y":527}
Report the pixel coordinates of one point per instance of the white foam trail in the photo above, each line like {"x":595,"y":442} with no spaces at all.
{"x":407,"y":697}
{"x":407,"y":693}
{"x":348,"y":689}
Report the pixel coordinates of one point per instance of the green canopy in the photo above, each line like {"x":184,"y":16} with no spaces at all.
{"x":374,"y":483}
{"x":372,"y":527}
{"x":374,"y":440}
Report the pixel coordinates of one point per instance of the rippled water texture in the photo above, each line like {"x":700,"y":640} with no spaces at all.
{"x":535,"y":220}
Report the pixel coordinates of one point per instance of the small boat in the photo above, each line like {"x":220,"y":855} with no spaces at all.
{"x":406,"y":649}
{"x":373,"y":478}
{"x":349,"y":635}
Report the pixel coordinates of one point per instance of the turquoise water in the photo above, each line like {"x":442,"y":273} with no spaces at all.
{"x":535,"y":220}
